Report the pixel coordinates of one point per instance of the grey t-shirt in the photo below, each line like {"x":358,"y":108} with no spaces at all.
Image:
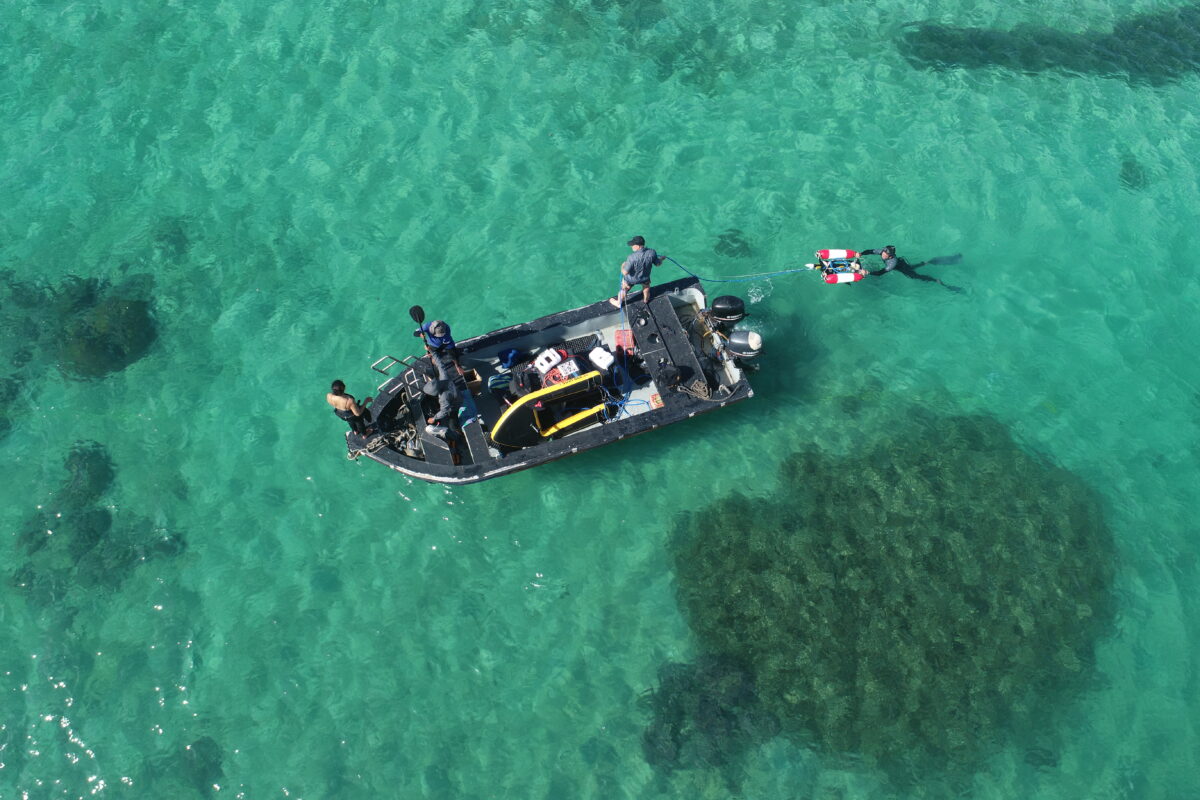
{"x":638,"y":265}
{"x":447,"y":396}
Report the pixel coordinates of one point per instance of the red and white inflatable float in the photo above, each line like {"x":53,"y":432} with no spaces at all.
{"x":830,"y":271}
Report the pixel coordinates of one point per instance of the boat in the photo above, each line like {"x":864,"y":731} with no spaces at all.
{"x":561,"y":384}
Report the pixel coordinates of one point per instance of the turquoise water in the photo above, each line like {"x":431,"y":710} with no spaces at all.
{"x":283,"y":184}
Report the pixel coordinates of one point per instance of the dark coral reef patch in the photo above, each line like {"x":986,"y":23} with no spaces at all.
{"x":98,"y":328}
{"x":1155,"y":48}
{"x":87,"y":327}
{"x":75,"y":542}
{"x":913,"y":605}
{"x":703,"y":714}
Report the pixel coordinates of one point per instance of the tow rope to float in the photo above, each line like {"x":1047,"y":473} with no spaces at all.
{"x":754,"y":276}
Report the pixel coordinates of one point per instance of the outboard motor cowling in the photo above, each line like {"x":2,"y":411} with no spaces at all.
{"x":744,"y":344}
{"x":728,"y":311}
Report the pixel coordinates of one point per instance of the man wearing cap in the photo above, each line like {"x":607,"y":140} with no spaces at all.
{"x":439,"y":343}
{"x":636,"y":270}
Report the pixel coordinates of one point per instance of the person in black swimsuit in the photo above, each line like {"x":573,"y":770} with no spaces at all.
{"x":347,"y":408}
{"x":891,"y":262}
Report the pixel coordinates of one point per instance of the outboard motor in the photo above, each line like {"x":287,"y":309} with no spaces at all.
{"x":727,"y":311}
{"x":744,"y":345}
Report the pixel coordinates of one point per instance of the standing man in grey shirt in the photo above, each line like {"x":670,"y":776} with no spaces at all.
{"x":636,"y":270}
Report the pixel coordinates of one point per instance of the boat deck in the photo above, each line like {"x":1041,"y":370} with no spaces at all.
{"x":661,"y":373}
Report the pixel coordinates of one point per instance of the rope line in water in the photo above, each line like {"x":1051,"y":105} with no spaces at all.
{"x":754,"y":276}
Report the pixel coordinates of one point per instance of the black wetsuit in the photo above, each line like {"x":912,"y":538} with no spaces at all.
{"x":357,"y":424}
{"x":899,"y":264}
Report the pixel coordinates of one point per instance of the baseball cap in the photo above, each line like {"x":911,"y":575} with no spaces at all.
{"x":638,"y":240}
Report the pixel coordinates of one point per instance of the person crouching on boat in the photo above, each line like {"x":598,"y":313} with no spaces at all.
{"x":347,"y":408}
{"x":438,"y":385}
{"x":440,"y":344}
{"x":636,"y":270}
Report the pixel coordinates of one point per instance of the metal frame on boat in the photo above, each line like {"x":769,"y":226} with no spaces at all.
{"x":632,"y":370}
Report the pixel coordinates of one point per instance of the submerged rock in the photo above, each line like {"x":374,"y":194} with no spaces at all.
{"x":913,"y":604}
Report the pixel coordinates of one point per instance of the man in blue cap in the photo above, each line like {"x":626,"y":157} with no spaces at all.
{"x":636,"y":270}
{"x":439,"y":343}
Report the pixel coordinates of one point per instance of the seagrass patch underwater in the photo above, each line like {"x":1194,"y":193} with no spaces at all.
{"x":915,"y":605}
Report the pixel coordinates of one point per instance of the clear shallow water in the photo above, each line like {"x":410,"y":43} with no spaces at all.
{"x":294,"y":180}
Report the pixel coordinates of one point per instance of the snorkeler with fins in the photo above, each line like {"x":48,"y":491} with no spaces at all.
{"x":895,"y":263}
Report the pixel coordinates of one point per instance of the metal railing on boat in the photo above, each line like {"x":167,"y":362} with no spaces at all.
{"x":392,"y":361}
